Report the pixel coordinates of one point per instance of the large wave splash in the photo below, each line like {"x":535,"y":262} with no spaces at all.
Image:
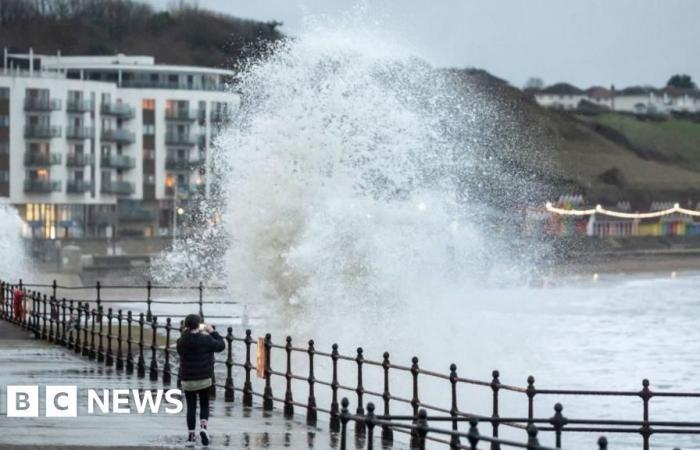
{"x":15,"y":263}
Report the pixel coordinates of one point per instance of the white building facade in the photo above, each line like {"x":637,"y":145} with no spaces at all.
{"x":97,"y":145}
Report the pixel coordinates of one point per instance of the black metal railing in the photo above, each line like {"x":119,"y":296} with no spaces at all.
{"x":89,"y":330}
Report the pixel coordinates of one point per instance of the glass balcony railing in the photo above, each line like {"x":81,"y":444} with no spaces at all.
{"x":135,"y":83}
{"x":79,"y":132}
{"x":180,"y":139}
{"x":76,"y":160}
{"x":117,"y":162}
{"x":185,"y":190}
{"x":78,"y":186}
{"x":41,"y":104}
{"x":117,"y":187}
{"x":121,"y":110}
{"x":41,"y":132}
{"x":42,"y":186}
{"x":78,"y":106}
{"x":182,"y":114}
{"x":136,"y":214}
{"x":183,"y":164}
{"x":41,"y":159}
{"x":118,"y":135}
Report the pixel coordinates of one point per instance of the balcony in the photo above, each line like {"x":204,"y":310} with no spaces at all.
{"x":185,"y":190}
{"x":79,"y":133}
{"x":121,"y":110}
{"x":220,"y":117}
{"x":78,"y":186}
{"x":180,"y":139}
{"x":119,"y":135}
{"x":78,"y":106}
{"x":136,"y":214}
{"x":74,"y":160}
{"x":117,"y":187}
{"x":158,"y":84}
{"x":41,"y":159}
{"x":184,"y":115}
{"x":180,"y":164}
{"x":42,"y":186}
{"x":117,"y":162}
{"x":41,"y":132}
{"x":45,"y":104}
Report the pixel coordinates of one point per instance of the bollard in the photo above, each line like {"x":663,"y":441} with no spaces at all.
{"x":153,"y":375}
{"x":473,"y":433}
{"x":120,"y":354}
{"x":166,"y":365}
{"x":558,"y":421}
{"x":141,"y":365}
{"x":311,"y":413}
{"x":288,"y":399}
{"x":360,"y":390}
{"x":149,"y":316}
{"x":369,"y":423}
{"x":495,"y":387}
{"x":531,"y":392}
{"x":387,"y":433}
{"x":109,"y":358}
{"x":100,"y":347}
{"x":344,"y":418}
{"x":335,"y":413}
{"x":129,"y":341}
{"x":454,"y":410}
{"x":247,"y":385}
{"x":645,"y":394}
{"x":267,"y":395}
{"x":93,"y":349}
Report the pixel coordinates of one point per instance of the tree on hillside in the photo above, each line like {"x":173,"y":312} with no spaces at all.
{"x":681,"y":81}
{"x":534,"y":83}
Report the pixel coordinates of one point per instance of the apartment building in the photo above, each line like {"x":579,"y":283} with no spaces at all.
{"x":98,"y":146}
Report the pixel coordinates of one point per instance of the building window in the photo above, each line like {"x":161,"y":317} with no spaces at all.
{"x":4,"y":176}
{"x":4,"y":92}
{"x":149,"y":153}
{"x":4,"y":148}
{"x":149,"y":129}
{"x":4,"y":121}
{"x":148,"y":104}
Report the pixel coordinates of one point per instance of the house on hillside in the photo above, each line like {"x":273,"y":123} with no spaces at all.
{"x":560,"y":96}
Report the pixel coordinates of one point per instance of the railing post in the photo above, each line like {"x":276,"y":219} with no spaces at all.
{"x":201,"y":300}
{"x":228,"y":385}
{"x":63,"y":341}
{"x":44,"y":331}
{"x":2,"y":300}
{"x":86,"y":330}
{"x":495,"y":388}
{"x":54,"y":288}
{"x":344,"y":418}
{"x":153,"y":375}
{"x":101,"y":346}
{"x":98,"y":297}
{"x":531,"y":391}
{"x":247,"y":366}
{"x":369,"y":422}
{"x":129,"y":341}
{"x":558,"y":421}
{"x":532,"y":442}
{"x":288,"y":399}
{"x":311,"y":413}
{"x":387,"y":433}
{"x":149,"y":316}
{"x":69,"y":343}
{"x":141,"y":365}
{"x":52,"y":307}
{"x":120,"y":353}
{"x":360,"y":390}
{"x":335,"y":413}
{"x":473,"y":433}
{"x":109,"y":358}
{"x":422,"y":428}
{"x":602,"y":443}
{"x":645,"y":430}
{"x":267,"y":395}
{"x":77,"y":345}
{"x":93,"y":349}
{"x":167,"y":376}
{"x":454,"y":410}
{"x":36,"y":312}
{"x":415,"y":402}
{"x":212,"y":388}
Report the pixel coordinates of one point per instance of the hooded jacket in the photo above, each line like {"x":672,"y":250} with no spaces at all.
{"x":196,"y":350}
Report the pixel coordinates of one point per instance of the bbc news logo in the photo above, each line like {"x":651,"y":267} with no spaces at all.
{"x":62,"y":401}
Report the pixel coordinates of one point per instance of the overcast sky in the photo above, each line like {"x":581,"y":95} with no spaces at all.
{"x":585,"y":42}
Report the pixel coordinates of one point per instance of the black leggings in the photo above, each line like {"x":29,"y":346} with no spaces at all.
{"x":191,"y":398}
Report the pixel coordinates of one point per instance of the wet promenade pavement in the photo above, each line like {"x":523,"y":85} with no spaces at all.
{"x":26,"y":361}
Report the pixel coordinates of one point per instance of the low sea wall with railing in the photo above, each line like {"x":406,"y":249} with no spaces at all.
{"x":143,"y":344}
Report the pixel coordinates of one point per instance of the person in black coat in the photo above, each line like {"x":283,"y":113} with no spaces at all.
{"x":196,"y":347}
